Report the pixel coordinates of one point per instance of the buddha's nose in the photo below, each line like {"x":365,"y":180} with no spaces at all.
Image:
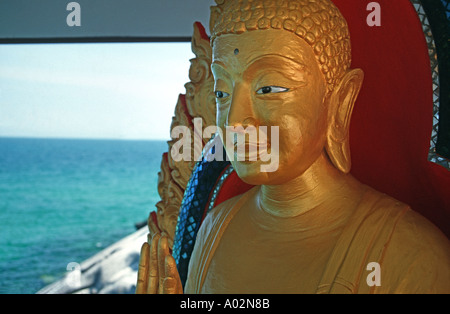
{"x":241,"y":111}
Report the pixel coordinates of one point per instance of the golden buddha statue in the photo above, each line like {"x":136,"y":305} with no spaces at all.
{"x":309,"y":226}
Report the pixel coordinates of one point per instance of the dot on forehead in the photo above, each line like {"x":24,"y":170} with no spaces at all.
{"x":236,"y":51}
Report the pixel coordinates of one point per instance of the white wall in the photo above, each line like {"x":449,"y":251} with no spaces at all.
{"x":104,"y":18}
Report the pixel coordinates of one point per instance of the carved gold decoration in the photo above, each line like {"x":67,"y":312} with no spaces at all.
{"x":171,"y":196}
{"x":199,"y":102}
{"x":200,"y":97}
{"x":181,"y":170}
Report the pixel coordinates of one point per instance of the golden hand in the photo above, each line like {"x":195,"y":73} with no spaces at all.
{"x":157,"y":273}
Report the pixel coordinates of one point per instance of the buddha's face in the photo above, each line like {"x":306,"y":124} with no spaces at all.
{"x":271,"y":78}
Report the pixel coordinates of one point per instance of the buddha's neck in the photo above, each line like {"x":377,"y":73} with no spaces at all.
{"x":321,"y":188}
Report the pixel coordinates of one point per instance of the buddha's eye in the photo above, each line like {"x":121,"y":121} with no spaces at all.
{"x":271,"y":89}
{"x":220,"y":94}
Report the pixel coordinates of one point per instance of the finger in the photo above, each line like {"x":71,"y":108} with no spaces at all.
{"x":170,"y":267}
{"x":170,"y":286}
{"x":153,"y":272}
{"x":142,"y":282}
{"x":172,"y":282}
{"x":163,"y":251}
{"x":153,"y":228}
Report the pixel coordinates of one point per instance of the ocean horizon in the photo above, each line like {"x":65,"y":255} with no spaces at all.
{"x":62,"y":200}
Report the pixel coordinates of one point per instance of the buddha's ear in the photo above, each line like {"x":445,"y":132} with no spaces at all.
{"x":340,"y":111}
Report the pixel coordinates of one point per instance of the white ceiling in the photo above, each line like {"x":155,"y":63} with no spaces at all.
{"x":103,"y":18}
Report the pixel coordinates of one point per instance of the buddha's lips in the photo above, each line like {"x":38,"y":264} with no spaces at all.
{"x":253,"y":145}
{"x":251,"y":150}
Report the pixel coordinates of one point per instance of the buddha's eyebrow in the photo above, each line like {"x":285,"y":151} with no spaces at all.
{"x":219,"y":66}
{"x":268,"y":56}
{"x":292,"y":69}
{"x":221,"y":69}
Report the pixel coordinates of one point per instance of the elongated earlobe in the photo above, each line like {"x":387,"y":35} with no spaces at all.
{"x":339,"y":115}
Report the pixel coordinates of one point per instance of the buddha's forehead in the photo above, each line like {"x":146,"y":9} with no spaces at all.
{"x":241,"y":50}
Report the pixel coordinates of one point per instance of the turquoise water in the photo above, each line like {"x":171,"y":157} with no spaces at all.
{"x":62,"y":201}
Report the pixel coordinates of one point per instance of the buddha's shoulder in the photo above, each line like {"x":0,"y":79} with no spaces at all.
{"x":228,"y":205}
{"x":417,"y":254}
{"x":216,"y":216}
{"x":418,"y":241}
{"x":408,"y":226}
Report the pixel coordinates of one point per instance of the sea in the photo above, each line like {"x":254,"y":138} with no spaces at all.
{"x":64,"y":200}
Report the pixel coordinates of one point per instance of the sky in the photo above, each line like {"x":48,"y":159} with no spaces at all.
{"x":102,"y":91}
